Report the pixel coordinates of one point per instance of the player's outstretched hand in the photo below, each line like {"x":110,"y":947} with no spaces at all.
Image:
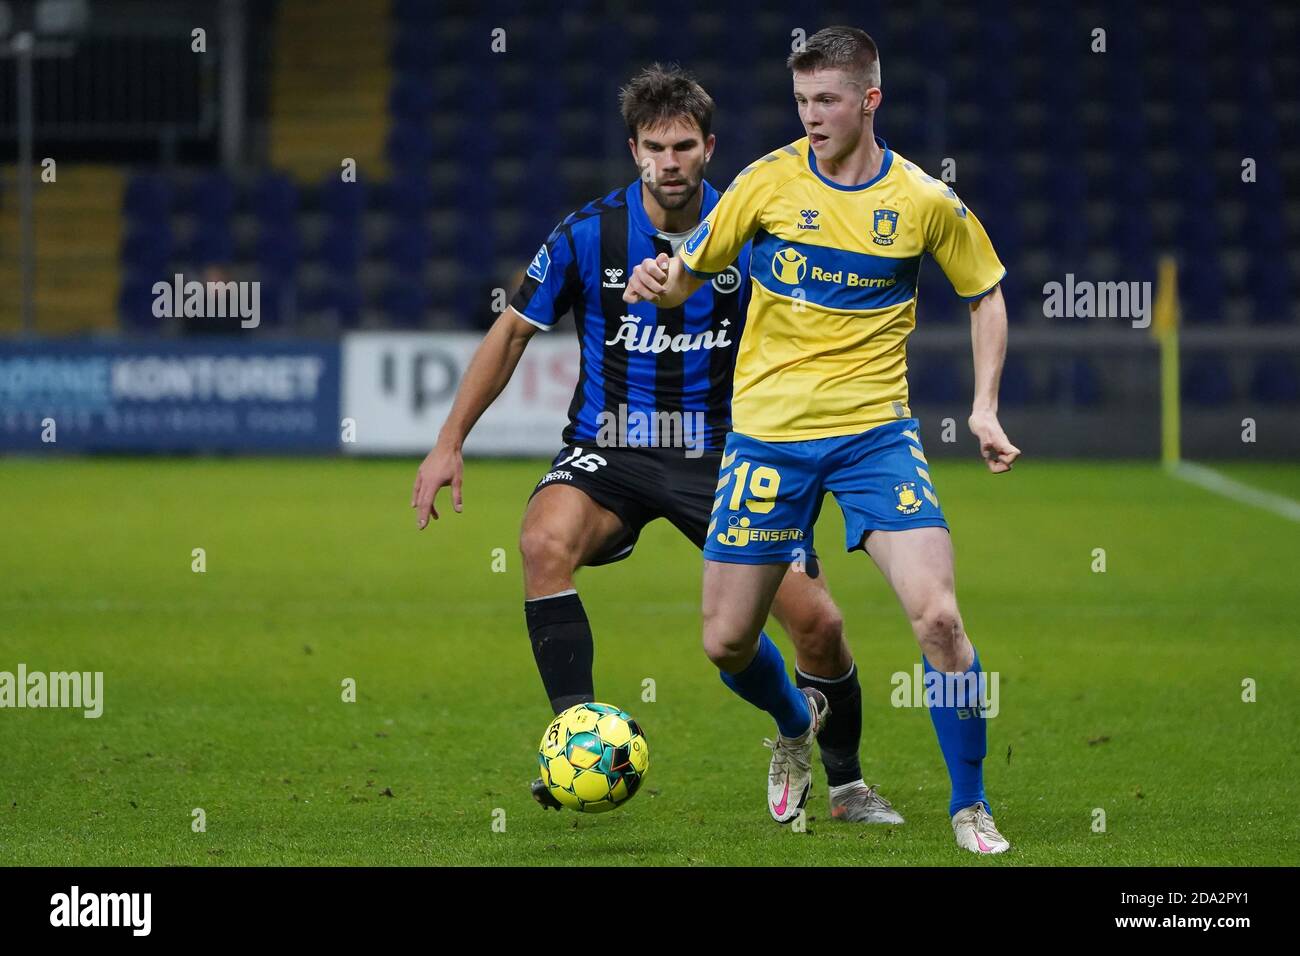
{"x":441,"y":467}
{"x":996,"y":448}
{"x":648,"y":280}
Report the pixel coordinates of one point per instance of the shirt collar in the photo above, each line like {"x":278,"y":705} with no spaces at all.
{"x":885,"y":163}
{"x":636,"y":208}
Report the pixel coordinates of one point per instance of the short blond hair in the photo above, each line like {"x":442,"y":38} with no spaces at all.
{"x":840,"y":48}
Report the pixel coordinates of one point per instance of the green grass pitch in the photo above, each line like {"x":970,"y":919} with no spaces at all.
{"x":1119,"y":690}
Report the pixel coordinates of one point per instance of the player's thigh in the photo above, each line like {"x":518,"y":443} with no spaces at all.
{"x":918,"y":565}
{"x":689,"y":487}
{"x":881,"y":481}
{"x":804,"y":607}
{"x":760,"y":521}
{"x":766,"y":499}
{"x":736,"y":601}
{"x":562,"y":523}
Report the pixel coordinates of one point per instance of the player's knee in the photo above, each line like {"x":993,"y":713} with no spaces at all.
{"x":725,"y":645}
{"x":938,"y":629}
{"x":817,"y":637}
{"x":544,"y":552}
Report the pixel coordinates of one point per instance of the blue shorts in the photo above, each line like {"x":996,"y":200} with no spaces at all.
{"x":770,"y":493}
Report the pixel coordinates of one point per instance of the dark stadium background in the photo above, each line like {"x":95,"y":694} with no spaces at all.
{"x":226,"y":164}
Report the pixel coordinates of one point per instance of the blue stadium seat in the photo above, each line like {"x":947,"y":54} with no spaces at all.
{"x":135,"y":304}
{"x":1076,"y":382}
{"x":342,"y":201}
{"x":1265,"y":232}
{"x":1257,"y":133}
{"x":409,"y":194}
{"x":147,"y":249}
{"x":278,"y":300}
{"x":1275,"y":381}
{"x":936,"y":301}
{"x":412,"y":98}
{"x":1269,"y":284}
{"x":212,"y":245}
{"x":409,"y":147}
{"x":1017,"y":386}
{"x":408,"y":246}
{"x":1002,"y":221}
{"x":1207,"y":382}
{"x":1133,"y":241}
{"x":1197,"y":187}
{"x":414,"y":13}
{"x":339,"y":250}
{"x":1018,"y":300}
{"x":936,"y":380}
{"x":1067,"y":235}
{"x":406,"y":302}
{"x":148,"y":196}
{"x":340,"y":299}
{"x":413,"y":51}
{"x":1200,"y":292}
{"x":275,"y":200}
{"x":1128,"y":131}
{"x":211,"y":197}
{"x":278,"y":251}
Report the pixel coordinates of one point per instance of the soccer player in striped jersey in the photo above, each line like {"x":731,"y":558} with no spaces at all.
{"x":645,"y":371}
{"x":838,"y":224}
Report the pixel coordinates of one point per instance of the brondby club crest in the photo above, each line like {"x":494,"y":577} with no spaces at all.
{"x":884,"y":227}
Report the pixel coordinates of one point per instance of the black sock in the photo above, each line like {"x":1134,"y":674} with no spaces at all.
{"x":840,"y":740}
{"x":562,"y":647}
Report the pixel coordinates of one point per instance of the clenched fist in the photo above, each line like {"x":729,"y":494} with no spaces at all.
{"x":648,"y":280}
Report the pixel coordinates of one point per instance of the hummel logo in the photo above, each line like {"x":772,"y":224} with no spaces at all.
{"x":808,"y":216}
{"x":613,"y":279}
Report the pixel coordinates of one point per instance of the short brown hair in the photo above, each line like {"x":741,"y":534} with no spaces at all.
{"x":660,"y":94}
{"x":840,"y":48}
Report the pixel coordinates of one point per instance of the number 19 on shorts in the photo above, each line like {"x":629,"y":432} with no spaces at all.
{"x":763,"y":484}
{"x":749,"y":490}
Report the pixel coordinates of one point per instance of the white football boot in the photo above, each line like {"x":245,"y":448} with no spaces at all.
{"x":857,"y":803}
{"x":789,"y":776}
{"x":976,"y":832}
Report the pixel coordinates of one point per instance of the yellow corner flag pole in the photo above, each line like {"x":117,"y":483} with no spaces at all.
{"x":1164,"y":327}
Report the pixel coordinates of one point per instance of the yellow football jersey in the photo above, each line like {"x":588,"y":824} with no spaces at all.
{"x":834,"y":272}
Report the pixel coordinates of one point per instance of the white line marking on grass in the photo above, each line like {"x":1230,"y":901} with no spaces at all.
{"x":1211,"y":480}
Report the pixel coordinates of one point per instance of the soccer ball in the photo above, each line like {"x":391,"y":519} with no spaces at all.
{"x":593,"y":757}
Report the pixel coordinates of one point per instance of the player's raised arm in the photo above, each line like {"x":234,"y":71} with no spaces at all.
{"x":664,"y":281}
{"x":988,"y":331}
{"x":489,"y":371}
{"x":669,"y":281}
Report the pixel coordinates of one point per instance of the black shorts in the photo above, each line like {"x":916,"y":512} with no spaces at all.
{"x":641,"y":484}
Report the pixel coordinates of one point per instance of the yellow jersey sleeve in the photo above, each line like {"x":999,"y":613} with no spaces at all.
{"x":717,"y":241}
{"x":958,"y":242}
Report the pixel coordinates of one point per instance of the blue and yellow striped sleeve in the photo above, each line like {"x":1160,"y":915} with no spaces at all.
{"x":717,"y":241}
{"x":958,"y":242}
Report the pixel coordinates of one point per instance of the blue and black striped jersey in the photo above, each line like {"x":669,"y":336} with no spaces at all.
{"x":639,"y":363}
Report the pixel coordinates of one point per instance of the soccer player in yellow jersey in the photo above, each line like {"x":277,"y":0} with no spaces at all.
{"x":839,"y":224}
